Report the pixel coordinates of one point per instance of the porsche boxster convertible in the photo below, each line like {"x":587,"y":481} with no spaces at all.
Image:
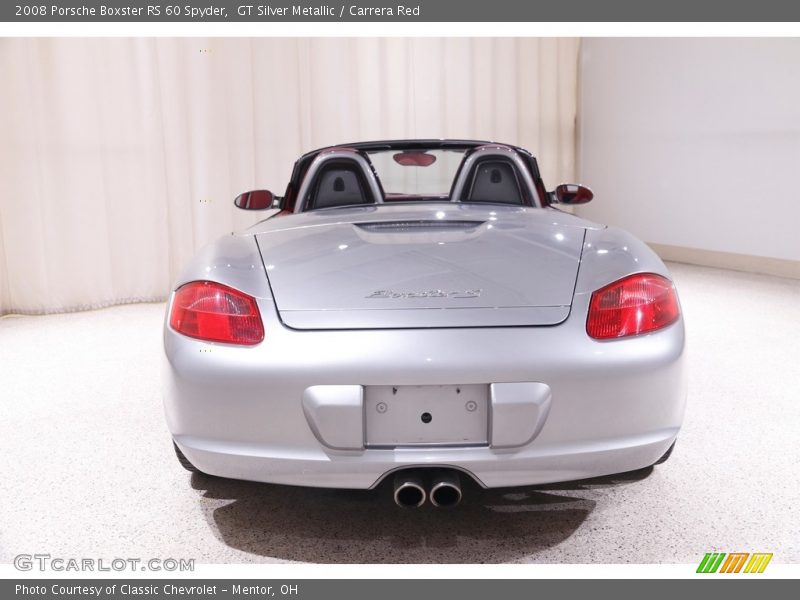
{"x":424,"y":311}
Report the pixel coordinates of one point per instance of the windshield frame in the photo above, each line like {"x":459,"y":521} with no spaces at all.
{"x":303,"y":173}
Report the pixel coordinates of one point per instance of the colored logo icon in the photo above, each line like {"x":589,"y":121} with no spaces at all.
{"x":735,"y":562}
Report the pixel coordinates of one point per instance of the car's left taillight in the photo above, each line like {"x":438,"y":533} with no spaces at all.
{"x":210,"y":311}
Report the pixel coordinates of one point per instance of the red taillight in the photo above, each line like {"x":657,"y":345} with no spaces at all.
{"x":211,"y":311}
{"x":633,"y":305}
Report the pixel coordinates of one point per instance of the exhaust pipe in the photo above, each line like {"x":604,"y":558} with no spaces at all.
{"x":446,"y":489}
{"x":408,"y":490}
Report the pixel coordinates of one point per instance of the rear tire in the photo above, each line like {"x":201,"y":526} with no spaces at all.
{"x":184,"y":461}
{"x":666,"y":456}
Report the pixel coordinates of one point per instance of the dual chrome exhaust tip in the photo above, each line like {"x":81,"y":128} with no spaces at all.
{"x":444,"y":490}
{"x":409,"y":491}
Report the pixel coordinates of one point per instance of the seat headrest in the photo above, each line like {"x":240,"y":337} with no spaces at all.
{"x":340,"y":185}
{"x":494,"y":180}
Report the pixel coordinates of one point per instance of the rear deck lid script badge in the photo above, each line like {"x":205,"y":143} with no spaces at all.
{"x":425,"y":294}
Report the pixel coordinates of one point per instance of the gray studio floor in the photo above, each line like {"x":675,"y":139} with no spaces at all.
{"x":87,"y":470}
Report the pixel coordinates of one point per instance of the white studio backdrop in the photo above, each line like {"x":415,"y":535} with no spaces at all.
{"x":694,"y":142}
{"x":120,"y":157}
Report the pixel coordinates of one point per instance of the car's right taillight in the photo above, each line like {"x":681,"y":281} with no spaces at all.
{"x":210,"y":311}
{"x":633,"y":305}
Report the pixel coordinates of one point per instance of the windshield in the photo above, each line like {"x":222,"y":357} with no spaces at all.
{"x":418,"y":173}
{"x":414,"y":171}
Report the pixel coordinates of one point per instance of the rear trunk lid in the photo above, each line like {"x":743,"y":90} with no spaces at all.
{"x":433,"y":266}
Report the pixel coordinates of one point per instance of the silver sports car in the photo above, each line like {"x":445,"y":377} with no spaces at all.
{"x":422,"y":310}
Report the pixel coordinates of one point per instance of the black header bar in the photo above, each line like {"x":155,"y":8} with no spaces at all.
{"x":402,"y":11}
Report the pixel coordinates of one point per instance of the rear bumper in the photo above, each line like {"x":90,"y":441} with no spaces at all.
{"x":490,"y":468}
{"x":239,"y":412}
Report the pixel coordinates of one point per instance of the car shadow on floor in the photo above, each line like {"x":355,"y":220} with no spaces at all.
{"x":365,"y":526}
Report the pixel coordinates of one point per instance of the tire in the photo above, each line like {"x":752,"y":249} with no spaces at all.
{"x":666,"y":456}
{"x":184,"y":461}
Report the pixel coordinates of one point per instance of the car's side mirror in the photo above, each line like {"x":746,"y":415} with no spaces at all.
{"x":572,"y":193}
{"x":257,"y":200}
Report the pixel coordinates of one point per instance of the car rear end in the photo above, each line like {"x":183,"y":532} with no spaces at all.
{"x":340,"y":388}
